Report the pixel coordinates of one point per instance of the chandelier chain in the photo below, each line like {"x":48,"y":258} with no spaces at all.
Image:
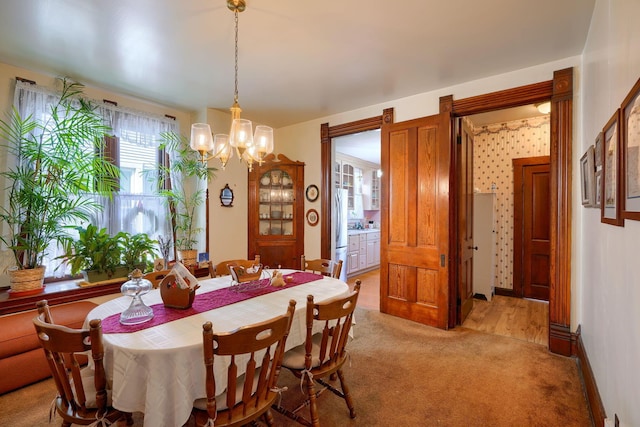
{"x":236,"y":58}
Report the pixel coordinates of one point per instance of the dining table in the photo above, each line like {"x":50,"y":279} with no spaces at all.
{"x":157,"y":367}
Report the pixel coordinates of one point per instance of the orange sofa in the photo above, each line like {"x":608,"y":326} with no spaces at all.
{"x":22,"y":361}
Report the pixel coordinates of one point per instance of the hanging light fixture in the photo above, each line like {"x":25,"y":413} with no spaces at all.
{"x":249,"y":147}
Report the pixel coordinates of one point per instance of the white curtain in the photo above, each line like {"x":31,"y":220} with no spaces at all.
{"x":134,"y":213}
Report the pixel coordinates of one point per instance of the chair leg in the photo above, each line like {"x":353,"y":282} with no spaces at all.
{"x":268,"y":418}
{"x":313,"y":408}
{"x":347,"y":395}
{"x":128,"y":418}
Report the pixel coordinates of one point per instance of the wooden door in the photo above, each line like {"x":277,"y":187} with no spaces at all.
{"x":414,"y":268}
{"x":464,"y":172}
{"x":532,"y":231}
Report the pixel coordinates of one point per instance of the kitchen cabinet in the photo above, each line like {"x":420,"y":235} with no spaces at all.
{"x":373,"y":249}
{"x":350,"y":177}
{"x":276,"y":212}
{"x":364,"y":251}
{"x":371,"y":190}
{"x":353,"y":263}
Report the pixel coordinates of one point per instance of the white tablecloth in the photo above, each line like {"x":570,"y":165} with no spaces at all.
{"x":160,"y":370}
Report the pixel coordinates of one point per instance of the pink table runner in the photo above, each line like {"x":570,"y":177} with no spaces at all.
{"x":205,"y":302}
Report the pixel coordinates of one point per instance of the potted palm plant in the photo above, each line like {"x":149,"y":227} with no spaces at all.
{"x":48,"y":178}
{"x":179,"y":183}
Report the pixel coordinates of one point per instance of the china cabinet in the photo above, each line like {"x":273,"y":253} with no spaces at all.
{"x":276,"y":212}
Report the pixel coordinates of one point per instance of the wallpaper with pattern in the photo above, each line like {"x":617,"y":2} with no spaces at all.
{"x":494,"y":147}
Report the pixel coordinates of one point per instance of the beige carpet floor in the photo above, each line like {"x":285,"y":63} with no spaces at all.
{"x":405,"y":374}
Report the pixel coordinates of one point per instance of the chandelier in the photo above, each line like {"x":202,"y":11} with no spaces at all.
{"x":250,"y":147}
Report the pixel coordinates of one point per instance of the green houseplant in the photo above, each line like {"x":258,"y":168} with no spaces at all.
{"x":48,"y":177}
{"x":95,"y":253}
{"x":184,"y":172}
{"x":138,"y":251}
{"x":99,"y":256}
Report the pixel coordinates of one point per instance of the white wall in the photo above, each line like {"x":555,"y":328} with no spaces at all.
{"x":610,"y":297}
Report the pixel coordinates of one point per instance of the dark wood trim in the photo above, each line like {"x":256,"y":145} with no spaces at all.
{"x":325,"y":192}
{"x":560,"y":92}
{"x":56,"y":293}
{"x":523,"y":95}
{"x":327,"y":133}
{"x":446,"y":105}
{"x":596,"y":407}
{"x":505,"y":292}
{"x":560,"y":265}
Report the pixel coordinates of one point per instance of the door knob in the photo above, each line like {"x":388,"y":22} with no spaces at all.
{"x":475,"y":248}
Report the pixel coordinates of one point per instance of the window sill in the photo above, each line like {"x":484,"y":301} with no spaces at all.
{"x":55,"y":293}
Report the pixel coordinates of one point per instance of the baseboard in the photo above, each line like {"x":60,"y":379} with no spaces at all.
{"x":505,"y":292}
{"x":591,"y":388}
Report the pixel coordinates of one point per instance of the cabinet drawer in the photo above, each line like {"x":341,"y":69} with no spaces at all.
{"x":373,"y":236}
{"x":354,"y":243}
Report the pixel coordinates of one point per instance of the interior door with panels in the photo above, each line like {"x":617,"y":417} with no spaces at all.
{"x":414,"y":269}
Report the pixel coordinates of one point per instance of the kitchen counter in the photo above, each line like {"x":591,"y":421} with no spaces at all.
{"x":362,"y":231}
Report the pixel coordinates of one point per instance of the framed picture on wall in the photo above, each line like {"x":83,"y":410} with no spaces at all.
{"x":598,"y":188}
{"x":630,"y":143}
{"x":598,"y":152}
{"x":587,"y":171}
{"x":610,"y":212}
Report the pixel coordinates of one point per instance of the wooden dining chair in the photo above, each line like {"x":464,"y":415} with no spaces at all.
{"x":222,"y":268}
{"x":249,"y":396}
{"x":155,"y":277}
{"x":323,"y":354}
{"x":82,"y":392}
{"x":326,"y":267}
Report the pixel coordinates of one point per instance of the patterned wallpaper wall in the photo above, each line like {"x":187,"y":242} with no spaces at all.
{"x":494,"y":147}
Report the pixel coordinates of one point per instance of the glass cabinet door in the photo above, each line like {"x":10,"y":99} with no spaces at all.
{"x":276,"y":203}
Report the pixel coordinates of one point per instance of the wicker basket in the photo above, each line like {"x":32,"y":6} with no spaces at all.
{"x":188,"y":257}
{"x":26,"y":280}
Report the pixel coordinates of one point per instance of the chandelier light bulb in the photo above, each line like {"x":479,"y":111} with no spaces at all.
{"x":201,"y":139}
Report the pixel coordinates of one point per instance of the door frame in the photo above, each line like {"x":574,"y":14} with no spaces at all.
{"x":327,"y":133}
{"x":560,"y":92}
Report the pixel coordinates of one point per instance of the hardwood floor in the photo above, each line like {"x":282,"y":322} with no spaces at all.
{"x":523,"y":319}
{"x":369,"y":289}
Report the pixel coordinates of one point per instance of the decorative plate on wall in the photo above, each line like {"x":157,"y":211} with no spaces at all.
{"x":312,"y":217}
{"x":312,"y":193}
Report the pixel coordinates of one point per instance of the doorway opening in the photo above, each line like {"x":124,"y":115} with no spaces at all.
{"x":356,"y":208}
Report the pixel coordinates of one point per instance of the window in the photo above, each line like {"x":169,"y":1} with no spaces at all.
{"x":134,"y":148}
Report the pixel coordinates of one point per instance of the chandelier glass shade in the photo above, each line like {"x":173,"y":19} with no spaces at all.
{"x":249,"y":146}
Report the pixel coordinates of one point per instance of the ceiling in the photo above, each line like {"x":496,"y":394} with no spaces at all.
{"x":298,"y":60}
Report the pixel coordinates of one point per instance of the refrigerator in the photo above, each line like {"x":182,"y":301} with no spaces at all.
{"x":484,"y":239}
{"x":341,"y":221}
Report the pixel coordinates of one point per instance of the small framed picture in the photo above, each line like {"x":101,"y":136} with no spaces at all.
{"x":586,"y":177}
{"x":598,"y":188}
{"x":312,"y":217}
{"x":598,"y":152}
{"x":630,"y":163}
{"x":610,"y":203}
{"x":312,"y":193}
